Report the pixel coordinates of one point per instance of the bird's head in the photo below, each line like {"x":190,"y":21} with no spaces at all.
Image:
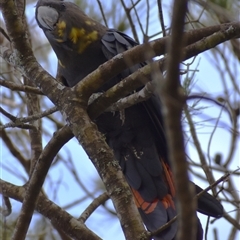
{"x":65,"y":24}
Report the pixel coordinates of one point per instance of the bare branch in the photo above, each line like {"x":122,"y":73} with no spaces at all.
{"x":93,"y":206}
{"x":50,"y":210}
{"x":173,"y":102}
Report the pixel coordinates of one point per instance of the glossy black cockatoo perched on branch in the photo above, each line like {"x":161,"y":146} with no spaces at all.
{"x":81,"y":45}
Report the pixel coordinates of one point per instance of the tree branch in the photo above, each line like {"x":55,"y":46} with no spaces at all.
{"x":47,"y":208}
{"x":173,"y":102}
{"x":93,"y":206}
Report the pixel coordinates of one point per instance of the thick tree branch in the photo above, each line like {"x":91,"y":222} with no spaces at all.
{"x":143,"y":75}
{"x":106,"y":71}
{"x":136,"y":54}
{"x":104,"y":161}
{"x":173,"y":102}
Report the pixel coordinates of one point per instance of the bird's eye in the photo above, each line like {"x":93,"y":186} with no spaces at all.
{"x":63,"y":7}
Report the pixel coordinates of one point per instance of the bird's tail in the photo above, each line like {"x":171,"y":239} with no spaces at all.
{"x":160,"y":211}
{"x":157,"y":213}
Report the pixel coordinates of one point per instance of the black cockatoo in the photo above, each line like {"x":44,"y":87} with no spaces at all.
{"x":81,"y":45}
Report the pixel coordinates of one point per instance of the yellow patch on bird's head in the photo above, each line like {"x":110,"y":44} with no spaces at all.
{"x":61,"y":26}
{"x":90,"y":23}
{"x":76,"y":34}
{"x":82,"y":38}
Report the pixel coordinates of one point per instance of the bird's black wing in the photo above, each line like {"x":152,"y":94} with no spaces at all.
{"x":143,"y":160}
{"x":153,"y":209}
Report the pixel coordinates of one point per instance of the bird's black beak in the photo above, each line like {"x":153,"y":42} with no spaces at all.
{"x":47,"y":17}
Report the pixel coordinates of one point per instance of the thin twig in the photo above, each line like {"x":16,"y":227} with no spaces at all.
{"x":102,"y":12}
{"x":213,"y":185}
{"x":18,"y":87}
{"x":199,"y":149}
{"x":127,"y":11}
{"x":160,"y":11}
{"x":93,"y":206}
{"x":19,"y":121}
